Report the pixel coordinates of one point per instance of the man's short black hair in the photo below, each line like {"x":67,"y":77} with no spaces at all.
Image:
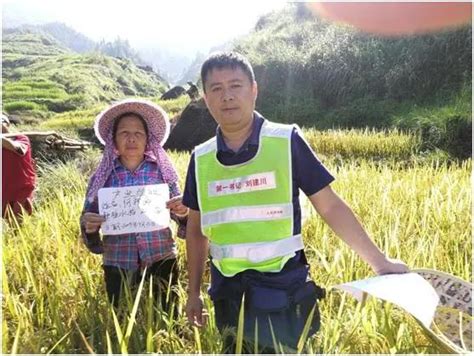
{"x":221,"y":60}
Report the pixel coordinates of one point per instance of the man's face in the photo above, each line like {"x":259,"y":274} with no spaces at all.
{"x":130,"y":138}
{"x":230,"y":97}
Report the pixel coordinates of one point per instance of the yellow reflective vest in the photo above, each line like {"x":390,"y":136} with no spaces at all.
{"x":246,"y":209}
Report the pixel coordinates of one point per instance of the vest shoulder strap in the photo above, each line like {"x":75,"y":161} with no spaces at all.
{"x":274,"y":129}
{"x":206,"y":147}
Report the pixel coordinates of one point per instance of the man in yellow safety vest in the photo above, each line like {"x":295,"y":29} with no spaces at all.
{"x":242,"y":189}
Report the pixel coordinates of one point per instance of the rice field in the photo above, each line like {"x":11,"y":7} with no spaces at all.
{"x":416,"y":209}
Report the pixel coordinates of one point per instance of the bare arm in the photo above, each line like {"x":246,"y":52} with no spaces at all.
{"x":33,"y":134}
{"x":197,"y":248}
{"x":344,"y":223}
{"x":18,"y":147}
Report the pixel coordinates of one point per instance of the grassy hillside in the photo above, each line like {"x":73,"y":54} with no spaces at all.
{"x":328,"y":75}
{"x":40,"y":77}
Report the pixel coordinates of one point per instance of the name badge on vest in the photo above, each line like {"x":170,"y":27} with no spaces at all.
{"x":250,"y":183}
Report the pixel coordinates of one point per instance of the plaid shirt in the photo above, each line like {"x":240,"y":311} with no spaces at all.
{"x":137,"y":250}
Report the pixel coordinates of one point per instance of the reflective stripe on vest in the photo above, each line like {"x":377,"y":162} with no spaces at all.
{"x":247,"y":213}
{"x":249,"y":203}
{"x":258,"y":251}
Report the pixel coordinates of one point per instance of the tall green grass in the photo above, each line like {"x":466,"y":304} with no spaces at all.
{"x":54,"y":297}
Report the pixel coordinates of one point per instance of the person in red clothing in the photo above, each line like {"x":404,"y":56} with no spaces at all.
{"x":18,"y":172}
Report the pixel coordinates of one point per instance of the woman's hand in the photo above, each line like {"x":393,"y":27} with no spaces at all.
{"x":92,"y":222}
{"x":176,"y":206}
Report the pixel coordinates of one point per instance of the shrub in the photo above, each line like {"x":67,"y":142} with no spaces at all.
{"x":458,"y":137}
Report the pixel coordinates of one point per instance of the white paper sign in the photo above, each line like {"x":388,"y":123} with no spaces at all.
{"x":134,"y":209}
{"x":409,"y":291}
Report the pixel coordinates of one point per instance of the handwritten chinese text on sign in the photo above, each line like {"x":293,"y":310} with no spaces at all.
{"x":134,"y":209}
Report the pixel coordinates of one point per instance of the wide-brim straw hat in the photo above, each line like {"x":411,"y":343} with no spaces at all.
{"x":156,"y":118}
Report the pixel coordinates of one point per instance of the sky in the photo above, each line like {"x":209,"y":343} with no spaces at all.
{"x":184,"y":27}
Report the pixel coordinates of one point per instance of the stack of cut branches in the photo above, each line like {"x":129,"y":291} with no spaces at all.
{"x":56,"y":141}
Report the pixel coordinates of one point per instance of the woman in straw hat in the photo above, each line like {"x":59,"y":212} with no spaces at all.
{"x":133,"y":133}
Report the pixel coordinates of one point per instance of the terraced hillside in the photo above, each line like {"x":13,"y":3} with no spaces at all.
{"x":41,"y":77}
